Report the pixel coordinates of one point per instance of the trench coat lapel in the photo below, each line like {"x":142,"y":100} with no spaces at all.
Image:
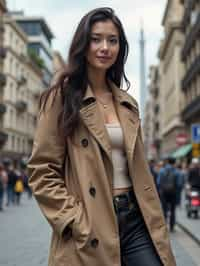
{"x":130,"y":125}
{"x":93,"y":120}
{"x":129,"y":120}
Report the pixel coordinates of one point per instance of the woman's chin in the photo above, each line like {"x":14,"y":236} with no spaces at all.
{"x":102,"y":67}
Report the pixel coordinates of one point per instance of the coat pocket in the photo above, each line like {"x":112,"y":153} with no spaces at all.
{"x":81,"y":230}
{"x":65,"y":252}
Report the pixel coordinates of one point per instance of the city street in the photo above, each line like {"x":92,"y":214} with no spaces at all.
{"x":25,"y":237}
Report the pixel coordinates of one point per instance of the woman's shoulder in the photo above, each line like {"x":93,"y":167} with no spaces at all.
{"x":51,"y":99}
{"x":132,"y":100}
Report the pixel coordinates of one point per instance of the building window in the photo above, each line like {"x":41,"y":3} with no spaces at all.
{"x":18,"y":145}
{"x":13,"y":142}
{"x":11,"y":118}
{"x":156,"y":109}
{"x":193,"y":17}
{"x":157,"y":126}
{"x":11,"y":91}
{"x":24,"y":146}
{"x":11,"y":65}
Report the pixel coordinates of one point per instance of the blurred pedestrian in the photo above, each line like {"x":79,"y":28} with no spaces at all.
{"x":152,"y":167}
{"x":3,"y":184}
{"x":19,"y":188}
{"x":12,"y":178}
{"x":194,"y":174}
{"x":159,"y":169}
{"x":26,"y":185}
{"x":180,"y":183}
{"x":168,"y":184}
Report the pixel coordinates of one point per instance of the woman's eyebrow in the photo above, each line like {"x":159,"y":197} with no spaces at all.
{"x":100,"y":34}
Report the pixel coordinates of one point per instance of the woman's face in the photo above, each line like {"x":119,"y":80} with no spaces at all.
{"x":104,"y":45}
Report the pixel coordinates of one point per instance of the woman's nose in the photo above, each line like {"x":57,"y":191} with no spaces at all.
{"x":105,"y":45}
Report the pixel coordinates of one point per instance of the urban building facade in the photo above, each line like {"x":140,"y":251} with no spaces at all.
{"x":3,"y":135}
{"x":148,"y":130}
{"x":21,"y":91}
{"x":155,"y":112}
{"x":58,"y":62}
{"x":171,"y":72}
{"x":190,"y":55}
{"x":58,"y":65}
{"x":39,"y":41}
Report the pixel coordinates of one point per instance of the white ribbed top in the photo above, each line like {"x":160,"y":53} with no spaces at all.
{"x":121,"y":176}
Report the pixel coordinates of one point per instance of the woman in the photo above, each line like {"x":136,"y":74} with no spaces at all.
{"x":88,"y":169}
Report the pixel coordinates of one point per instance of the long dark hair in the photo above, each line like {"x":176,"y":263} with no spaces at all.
{"x":73,"y":80}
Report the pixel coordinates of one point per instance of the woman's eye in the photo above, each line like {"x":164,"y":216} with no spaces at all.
{"x":93,"y":39}
{"x":113,"y":41}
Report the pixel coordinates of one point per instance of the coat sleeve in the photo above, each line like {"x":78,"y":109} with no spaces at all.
{"x":46,"y":170}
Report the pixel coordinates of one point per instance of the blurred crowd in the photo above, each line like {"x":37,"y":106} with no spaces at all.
{"x":172,"y":179}
{"x":13,"y":182}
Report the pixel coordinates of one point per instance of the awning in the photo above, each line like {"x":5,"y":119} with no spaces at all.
{"x":182,"y":151}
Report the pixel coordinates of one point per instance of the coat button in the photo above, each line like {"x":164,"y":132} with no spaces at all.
{"x":94,"y":243}
{"x":92,"y":191}
{"x":84,"y":143}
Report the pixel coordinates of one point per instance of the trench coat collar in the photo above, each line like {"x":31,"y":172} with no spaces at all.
{"x":127,"y":113}
{"x":118,"y":94}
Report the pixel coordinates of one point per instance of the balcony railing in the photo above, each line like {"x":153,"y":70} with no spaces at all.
{"x":2,"y":108}
{"x":2,"y":52}
{"x":2,"y":80}
{"x":21,"y":106}
{"x":191,"y":73}
{"x":191,"y":38}
{"x":192,"y":109}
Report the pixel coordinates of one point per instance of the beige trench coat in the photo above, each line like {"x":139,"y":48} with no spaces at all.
{"x":72,"y":182}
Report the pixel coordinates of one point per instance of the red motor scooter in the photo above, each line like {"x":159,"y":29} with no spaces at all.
{"x":193,"y":202}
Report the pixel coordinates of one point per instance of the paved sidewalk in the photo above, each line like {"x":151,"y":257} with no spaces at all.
{"x":190,"y":225}
{"x":182,"y":257}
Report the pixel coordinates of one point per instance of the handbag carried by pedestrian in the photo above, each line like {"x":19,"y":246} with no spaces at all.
{"x":19,"y":187}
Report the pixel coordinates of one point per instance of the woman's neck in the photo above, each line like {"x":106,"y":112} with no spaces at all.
{"x":97,"y":81}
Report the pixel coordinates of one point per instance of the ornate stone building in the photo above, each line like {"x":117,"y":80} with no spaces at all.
{"x":58,"y":62}
{"x":3,"y":135}
{"x":156,"y":111}
{"x":21,"y":91}
{"x":190,"y":55}
{"x":171,"y":72}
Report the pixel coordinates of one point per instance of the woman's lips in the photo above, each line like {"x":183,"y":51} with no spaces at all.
{"x":104,"y":58}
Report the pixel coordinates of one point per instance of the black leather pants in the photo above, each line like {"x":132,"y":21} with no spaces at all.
{"x":136,"y":245}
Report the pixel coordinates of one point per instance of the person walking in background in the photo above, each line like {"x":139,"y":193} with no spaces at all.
{"x":26,"y":185}
{"x":180,"y":184}
{"x":3,"y":184}
{"x":159,"y":168}
{"x":152,"y":167}
{"x":19,"y":188}
{"x":12,"y":178}
{"x":194,"y":174}
{"x":168,"y":185}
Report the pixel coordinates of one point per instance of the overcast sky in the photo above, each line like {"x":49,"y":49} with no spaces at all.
{"x":64,"y":15}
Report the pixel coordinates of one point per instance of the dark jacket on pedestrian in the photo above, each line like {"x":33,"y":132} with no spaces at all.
{"x":194,"y":177}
